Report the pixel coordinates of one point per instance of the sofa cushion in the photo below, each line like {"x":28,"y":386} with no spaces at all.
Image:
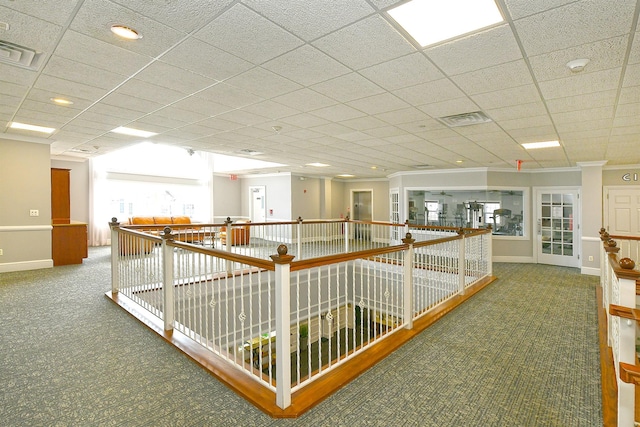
{"x":142,"y":220}
{"x":162,"y":220}
{"x":181,"y":220}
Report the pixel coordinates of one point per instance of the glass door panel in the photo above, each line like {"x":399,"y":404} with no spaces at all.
{"x":555,"y":243}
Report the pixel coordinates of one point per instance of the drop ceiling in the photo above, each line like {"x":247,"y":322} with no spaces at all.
{"x":342,"y":83}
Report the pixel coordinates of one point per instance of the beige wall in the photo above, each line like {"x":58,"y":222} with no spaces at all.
{"x":25,"y":184}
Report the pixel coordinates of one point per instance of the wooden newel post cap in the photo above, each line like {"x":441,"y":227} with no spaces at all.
{"x":627,"y":263}
{"x":299,"y":220}
{"x":612,"y":243}
{"x":408,"y":239}
{"x":460,"y":231}
{"x":604,"y":236}
{"x":282,"y":257}
{"x":114,"y":222}
{"x":166,"y":233}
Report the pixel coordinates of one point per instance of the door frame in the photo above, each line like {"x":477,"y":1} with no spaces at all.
{"x":365,"y":190}
{"x":577,"y":221}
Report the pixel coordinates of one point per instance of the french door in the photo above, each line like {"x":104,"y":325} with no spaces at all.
{"x":558,"y":230}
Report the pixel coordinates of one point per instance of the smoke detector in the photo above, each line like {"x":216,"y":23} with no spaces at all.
{"x":577,"y":65}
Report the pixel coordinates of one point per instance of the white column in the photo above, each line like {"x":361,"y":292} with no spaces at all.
{"x":167,"y":280}
{"x":283,"y":315}
{"x":115,"y":251}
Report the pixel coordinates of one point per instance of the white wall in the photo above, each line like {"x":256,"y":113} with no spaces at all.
{"x":226,"y":200}
{"x":278,"y":195}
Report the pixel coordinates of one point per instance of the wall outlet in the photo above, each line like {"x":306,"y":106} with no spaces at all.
{"x":590,"y":257}
{"x":34,"y":212}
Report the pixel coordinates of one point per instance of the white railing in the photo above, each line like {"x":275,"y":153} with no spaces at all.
{"x":288,"y":320}
{"x":619,"y":293}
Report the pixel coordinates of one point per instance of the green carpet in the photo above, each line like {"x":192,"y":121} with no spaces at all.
{"x":523,"y":352}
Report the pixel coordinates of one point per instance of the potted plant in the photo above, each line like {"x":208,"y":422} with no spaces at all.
{"x":304,"y":336}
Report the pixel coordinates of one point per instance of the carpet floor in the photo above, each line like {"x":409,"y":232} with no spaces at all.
{"x":522,"y":352}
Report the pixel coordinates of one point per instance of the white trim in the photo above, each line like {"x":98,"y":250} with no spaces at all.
{"x":590,"y":271}
{"x":473,"y":170}
{"x":26,"y":265}
{"x":25,"y":138}
{"x":514,"y":259}
{"x":590,"y":239}
{"x":10,"y":228}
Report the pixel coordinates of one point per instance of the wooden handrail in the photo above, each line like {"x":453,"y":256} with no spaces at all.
{"x":629,"y":373}
{"x":230,"y":256}
{"x":624,"y":312}
{"x":615,"y":237}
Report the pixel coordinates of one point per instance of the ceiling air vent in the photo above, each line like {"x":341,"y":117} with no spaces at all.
{"x":465,"y":119}
{"x":250,"y":152}
{"x":20,"y":56}
{"x":423,"y":166}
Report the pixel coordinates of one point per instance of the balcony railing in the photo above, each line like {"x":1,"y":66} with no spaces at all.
{"x":618,"y":280}
{"x":295,"y":300}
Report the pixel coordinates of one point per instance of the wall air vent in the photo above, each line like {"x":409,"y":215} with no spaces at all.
{"x":465,"y":119}
{"x":20,"y":56}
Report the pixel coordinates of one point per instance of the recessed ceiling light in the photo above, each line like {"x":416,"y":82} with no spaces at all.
{"x":133,"y":132}
{"x":345,"y":175}
{"x":544,"y":144}
{"x":458,"y":161}
{"x":430,"y":22}
{"x":318,"y":165}
{"x":125,"y":32}
{"x":34,"y":128}
{"x":61,"y":101}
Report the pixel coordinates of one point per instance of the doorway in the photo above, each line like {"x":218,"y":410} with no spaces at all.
{"x":361,"y":208}
{"x":257,"y":206}
{"x":558,"y":232}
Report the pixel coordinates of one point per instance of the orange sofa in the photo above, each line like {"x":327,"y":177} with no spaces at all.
{"x":239,"y":235}
{"x":183,"y":234}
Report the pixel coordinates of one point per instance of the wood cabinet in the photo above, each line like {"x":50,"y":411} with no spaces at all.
{"x":68,"y":239}
{"x":60,"y":196}
{"x":69,"y":243}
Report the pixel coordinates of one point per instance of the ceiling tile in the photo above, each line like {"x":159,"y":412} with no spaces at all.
{"x":338,"y":112}
{"x":228,"y":95}
{"x":306,"y":65}
{"x":305,"y":100}
{"x":263,"y":83}
{"x":578,"y":102}
{"x":428,"y":93}
{"x":20,"y":31}
{"x":69,"y":88}
{"x":358,"y":53}
{"x":75,"y":71}
{"x":348,"y":87}
{"x":504,"y":98}
{"x":377,"y":104}
{"x":491,"y":79}
{"x":239,"y":30}
{"x":578,"y":84}
{"x":574,"y":24}
{"x":97,"y":53}
{"x":202,"y":58}
{"x":182,"y":15}
{"x":408,"y":70}
{"x":301,"y":17}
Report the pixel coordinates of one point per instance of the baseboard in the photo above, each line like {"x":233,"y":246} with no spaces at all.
{"x":26,"y":265}
{"x":591,"y":271}
{"x":514,"y":259}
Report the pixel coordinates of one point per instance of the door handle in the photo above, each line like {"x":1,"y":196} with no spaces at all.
{"x":539,"y":226}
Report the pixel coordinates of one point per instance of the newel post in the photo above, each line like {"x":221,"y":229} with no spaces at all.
{"x":115,"y":250}
{"x":282,"y":263}
{"x":299,"y":238}
{"x":346,"y":234}
{"x":407,"y":291}
{"x":167,"y":279}
{"x":462,"y":261}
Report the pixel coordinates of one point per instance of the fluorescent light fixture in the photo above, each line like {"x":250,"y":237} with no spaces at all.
{"x":61,"y":101}
{"x":544,"y":144}
{"x":133,"y":132}
{"x":318,"y":165}
{"x":125,"y":32}
{"x":432,"y":21}
{"x":23,"y":126}
{"x":345,"y":175}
